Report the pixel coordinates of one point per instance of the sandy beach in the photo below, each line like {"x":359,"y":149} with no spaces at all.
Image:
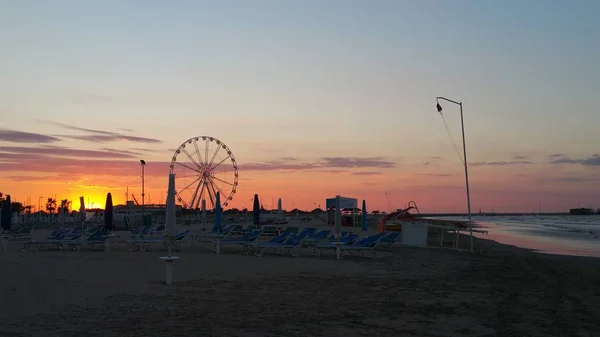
{"x":499,"y":291}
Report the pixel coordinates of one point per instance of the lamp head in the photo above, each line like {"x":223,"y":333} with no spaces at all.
{"x":143,"y":162}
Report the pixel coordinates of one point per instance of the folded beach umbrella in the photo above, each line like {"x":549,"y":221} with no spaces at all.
{"x":108,"y":213}
{"x":82,"y":215}
{"x":364,"y":216}
{"x":218,"y":213}
{"x":279,"y":209}
{"x":170,"y":215}
{"x":256,"y":210}
{"x":6,"y":214}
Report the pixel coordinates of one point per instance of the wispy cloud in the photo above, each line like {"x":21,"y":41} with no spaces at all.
{"x":31,"y":178}
{"x":127,"y":130}
{"x":138,"y":149}
{"x":121,"y":151}
{"x":323,"y":163}
{"x":59,"y":160}
{"x":61,"y":152}
{"x":434,"y":175}
{"x":520,"y":156}
{"x":15,"y":136}
{"x":277,"y":165}
{"x":570,"y":179}
{"x":100,"y":136}
{"x":112,"y":138}
{"x":593,"y":160}
{"x":332,"y":171}
{"x":366,"y":173}
{"x":77,"y":128}
{"x":502,"y":163}
{"x":355,"y":162}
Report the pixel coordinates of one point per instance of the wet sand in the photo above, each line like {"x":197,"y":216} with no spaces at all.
{"x":502,"y":291}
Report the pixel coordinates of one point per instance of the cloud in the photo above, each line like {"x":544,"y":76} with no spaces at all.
{"x":30,"y":178}
{"x":434,"y":175}
{"x":520,"y":156}
{"x":127,"y":130}
{"x":502,"y":163}
{"x":366,"y":173}
{"x":593,"y":160}
{"x":60,"y":152}
{"x":73,"y":167}
{"x":570,"y":179}
{"x":138,"y":149}
{"x":112,"y":138}
{"x":354,"y":162}
{"x":577,"y":179}
{"x":77,"y":128}
{"x":277,"y":165}
{"x":332,"y":171}
{"x":323,"y":163}
{"x":59,"y":160}
{"x":129,"y":152}
{"x":100,"y":136}
{"x":14,"y":136}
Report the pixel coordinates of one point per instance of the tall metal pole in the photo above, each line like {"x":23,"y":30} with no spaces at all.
{"x":462,"y":124}
{"x":143,"y":194}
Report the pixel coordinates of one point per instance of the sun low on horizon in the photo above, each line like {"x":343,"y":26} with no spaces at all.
{"x":301,"y":101}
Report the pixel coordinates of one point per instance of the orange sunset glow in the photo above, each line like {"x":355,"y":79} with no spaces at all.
{"x":386,"y":182}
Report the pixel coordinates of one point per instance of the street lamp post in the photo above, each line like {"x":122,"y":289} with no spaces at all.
{"x":143,"y":163}
{"x":462,"y":124}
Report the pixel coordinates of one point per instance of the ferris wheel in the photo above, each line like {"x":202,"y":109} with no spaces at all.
{"x":204,"y":166}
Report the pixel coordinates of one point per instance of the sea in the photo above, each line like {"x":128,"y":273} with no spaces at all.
{"x":551,"y":234}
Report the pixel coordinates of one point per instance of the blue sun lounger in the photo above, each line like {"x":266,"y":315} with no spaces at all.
{"x":363,"y":245}
{"x":317,"y":237}
{"x":275,"y":240}
{"x":145,"y":243}
{"x":345,"y":239}
{"x":97,"y":237}
{"x":388,"y":240}
{"x":251,"y":236}
{"x":290,"y":244}
{"x":227,"y":230}
{"x":55,"y":238}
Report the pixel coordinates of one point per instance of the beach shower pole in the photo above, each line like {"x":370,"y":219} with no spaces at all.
{"x":462,"y":125}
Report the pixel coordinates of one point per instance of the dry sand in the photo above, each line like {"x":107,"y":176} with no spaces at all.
{"x":504,"y":291}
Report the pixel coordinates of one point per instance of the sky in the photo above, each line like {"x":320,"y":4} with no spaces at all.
{"x":313,"y":99}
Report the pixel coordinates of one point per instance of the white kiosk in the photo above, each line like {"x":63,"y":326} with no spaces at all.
{"x":345,"y":202}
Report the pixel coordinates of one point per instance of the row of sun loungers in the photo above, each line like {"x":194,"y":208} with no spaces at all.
{"x":309,"y":237}
{"x":286,"y":241}
{"x":68,"y":238}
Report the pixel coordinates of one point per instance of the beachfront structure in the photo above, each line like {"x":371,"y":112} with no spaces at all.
{"x":581,"y":211}
{"x":345,"y":203}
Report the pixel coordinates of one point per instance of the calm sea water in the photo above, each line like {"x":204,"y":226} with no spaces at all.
{"x":553,"y":234}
